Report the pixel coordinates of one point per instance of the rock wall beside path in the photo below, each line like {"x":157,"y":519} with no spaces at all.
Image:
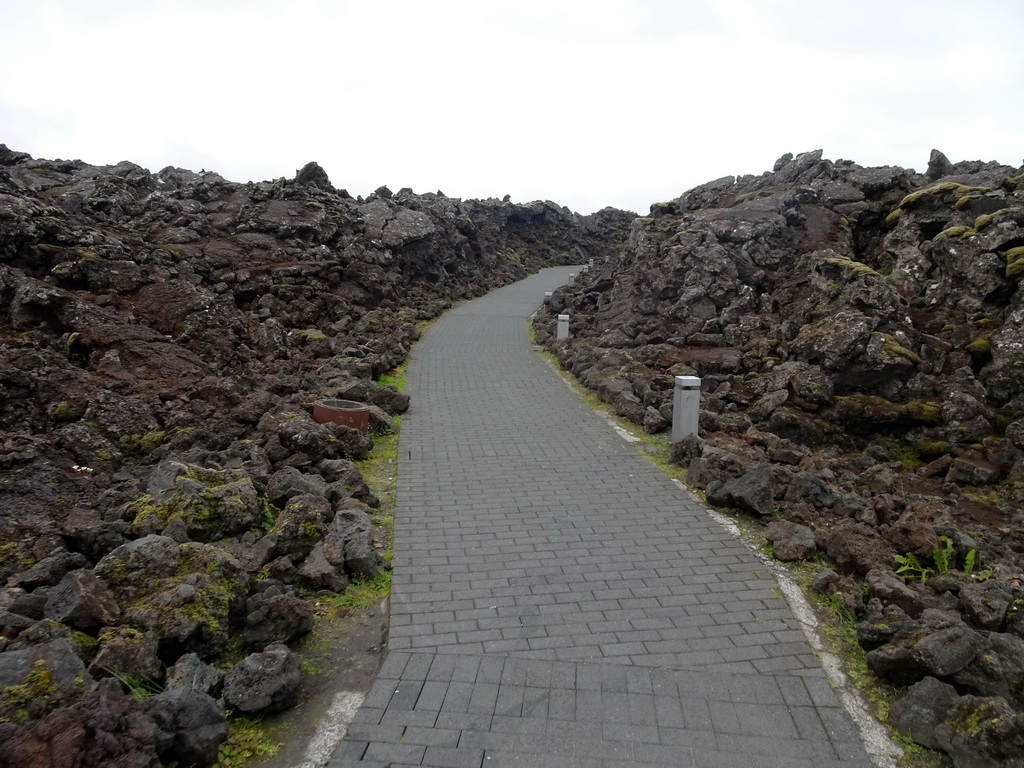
{"x":165,"y":493}
{"x":859,"y":333}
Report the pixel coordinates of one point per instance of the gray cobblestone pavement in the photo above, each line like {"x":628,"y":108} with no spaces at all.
{"x":557,"y":601}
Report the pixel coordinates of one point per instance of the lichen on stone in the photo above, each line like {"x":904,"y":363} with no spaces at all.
{"x":34,"y":696}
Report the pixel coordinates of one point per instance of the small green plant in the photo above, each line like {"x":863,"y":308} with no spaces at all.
{"x":359,"y":595}
{"x":943,"y":554}
{"x":141,"y":688}
{"x":910,"y":567}
{"x":270,"y":513}
{"x":969,"y":562}
{"x":247,"y":741}
{"x":365,"y":593}
{"x":944,"y":560}
{"x":837,"y":608}
{"x":984,"y":574}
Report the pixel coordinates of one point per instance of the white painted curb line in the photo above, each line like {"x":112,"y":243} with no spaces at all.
{"x":332,"y":729}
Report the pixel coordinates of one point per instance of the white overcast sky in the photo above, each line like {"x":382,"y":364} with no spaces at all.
{"x":585,"y":102}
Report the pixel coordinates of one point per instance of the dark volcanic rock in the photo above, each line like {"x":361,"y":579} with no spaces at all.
{"x":188,"y":594}
{"x":351,"y":533}
{"x":986,"y":603}
{"x":126,"y":651}
{"x":858,"y":548}
{"x":82,"y":601}
{"x":871,"y":319}
{"x":162,"y":337}
{"x":191,"y":726}
{"x":47,"y":675}
{"x":191,"y":673}
{"x":940,"y":645}
{"x":276,"y":619}
{"x":211,"y":504}
{"x":301,"y":524}
{"x":891,"y":590}
{"x":752,"y":492}
{"x":981,"y":732}
{"x":107,"y":729}
{"x":791,"y":541}
{"x":264,"y":682}
{"x":922,"y":709}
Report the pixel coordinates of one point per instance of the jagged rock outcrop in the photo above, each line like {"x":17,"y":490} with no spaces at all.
{"x":859,"y":336}
{"x":164,"y":489}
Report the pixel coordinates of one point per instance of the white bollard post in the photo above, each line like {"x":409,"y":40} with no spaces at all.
{"x":585,"y":269}
{"x":591,"y":264}
{"x":572,"y":278}
{"x":685,"y":407}
{"x":563,"y":327}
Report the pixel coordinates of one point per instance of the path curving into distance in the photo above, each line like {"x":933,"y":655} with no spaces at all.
{"x":557,"y":601}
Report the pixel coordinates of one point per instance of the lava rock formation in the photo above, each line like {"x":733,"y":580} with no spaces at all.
{"x":859,"y":333}
{"x":164,"y":489}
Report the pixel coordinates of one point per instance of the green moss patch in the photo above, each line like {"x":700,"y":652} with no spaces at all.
{"x":980,"y":347}
{"x":1015,"y":271}
{"x":33,"y":697}
{"x":878,"y":410}
{"x":854,"y":268}
{"x":937,"y":190}
{"x":142,"y":445}
{"x":943,"y":188}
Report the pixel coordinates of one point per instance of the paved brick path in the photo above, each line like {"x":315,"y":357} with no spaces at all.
{"x":557,"y":601}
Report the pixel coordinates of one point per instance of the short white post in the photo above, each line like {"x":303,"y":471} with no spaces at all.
{"x":563,"y":327}
{"x":685,"y":407}
{"x":591,"y":264}
{"x":572,"y":278}
{"x":585,"y":269}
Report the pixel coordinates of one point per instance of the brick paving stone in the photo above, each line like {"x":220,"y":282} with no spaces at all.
{"x":556,"y":601}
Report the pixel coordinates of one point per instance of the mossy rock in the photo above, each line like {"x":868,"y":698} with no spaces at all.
{"x":188,"y":594}
{"x":895,"y":349}
{"x":942,"y":188}
{"x":980,"y":347}
{"x":932,"y":449}
{"x":33,"y":697}
{"x":922,"y":411}
{"x":65,"y":411}
{"x":1014,"y":254}
{"x":853,"y":268}
{"x":861,"y":408}
{"x":986,"y":220}
{"x":907,"y":455}
{"x":310,"y":335}
{"x":666,"y":208}
{"x":300,"y":525}
{"x":212,"y":504}
{"x":960,"y":231}
{"x":142,"y":445}
{"x":1015,"y":271}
